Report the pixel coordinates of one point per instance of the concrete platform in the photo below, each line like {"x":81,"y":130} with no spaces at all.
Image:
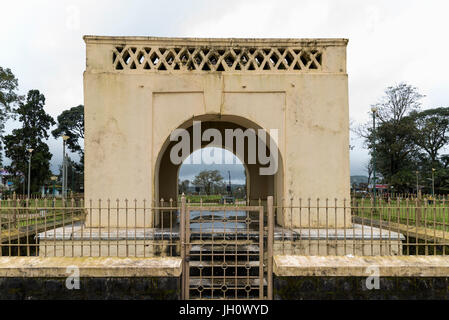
{"x":358,"y":240}
{"x":55,"y":267}
{"x":79,"y":232}
{"x":357,"y":232}
{"x":79,"y":241}
{"x":76,"y":240}
{"x":350,"y":266}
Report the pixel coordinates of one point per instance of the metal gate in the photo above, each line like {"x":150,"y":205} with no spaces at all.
{"x":224,"y":251}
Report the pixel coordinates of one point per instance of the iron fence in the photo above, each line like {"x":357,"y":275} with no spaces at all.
{"x":226,"y":249}
{"x":395,"y":195}
{"x":71,"y":228}
{"x":362,"y":226}
{"x":359,"y":226}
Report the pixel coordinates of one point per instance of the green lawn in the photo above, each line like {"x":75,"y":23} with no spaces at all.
{"x":40,"y":203}
{"x":20,"y":213}
{"x":433,"y":214}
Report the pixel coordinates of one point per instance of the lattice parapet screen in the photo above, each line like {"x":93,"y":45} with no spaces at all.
{"x":216,"y":59}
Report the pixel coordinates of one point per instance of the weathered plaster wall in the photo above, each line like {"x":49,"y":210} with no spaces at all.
{"x":130,"y":113}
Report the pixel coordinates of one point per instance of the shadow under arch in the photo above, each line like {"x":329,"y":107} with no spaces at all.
{"x":259,"y":186}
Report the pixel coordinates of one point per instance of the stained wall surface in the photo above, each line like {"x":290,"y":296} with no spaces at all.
{"x":137,"y":90}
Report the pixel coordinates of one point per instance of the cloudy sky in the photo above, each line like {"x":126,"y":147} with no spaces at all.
{"x":389,"y":42}
{"x":189,"y":169}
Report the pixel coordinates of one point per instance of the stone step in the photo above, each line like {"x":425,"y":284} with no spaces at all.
{"x":220,"y":264}
{"x":231,"y":283}
{"x":228,"y":248}
{"x":209,"y":269}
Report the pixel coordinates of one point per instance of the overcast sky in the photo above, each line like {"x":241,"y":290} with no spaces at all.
{"x":189,"y":169}
{"x":389,"y":42}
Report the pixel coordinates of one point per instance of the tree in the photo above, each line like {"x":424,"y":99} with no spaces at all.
{"x":445,"y":161}
{"x":442,"y":185}
{"x":183,"y":186}
{"x":71,"y":123}
{"x":398,"y":102}
{"x":8,"y":97}
{"x":208,"y":179}
{"x":432,"y":131}
{"x":35,"y":125}
{"x":393,"y":140}
{"x":396,"y":152}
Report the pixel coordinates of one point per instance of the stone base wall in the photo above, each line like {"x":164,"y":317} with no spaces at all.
{"x":168,"y":288}
{"x":354,"y":288}
{"x":160,"y":288}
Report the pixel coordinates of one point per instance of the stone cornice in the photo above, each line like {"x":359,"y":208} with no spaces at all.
{"x":231,"y":42}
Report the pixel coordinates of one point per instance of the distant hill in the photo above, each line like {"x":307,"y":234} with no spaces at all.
{"x":359,"y":179}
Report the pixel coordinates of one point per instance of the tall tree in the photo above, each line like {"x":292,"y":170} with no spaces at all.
{"x":208,"y":179}
{"x":8,"y":97}
{"x":392,"y":141}
{"x":31,"y":135}
{"x":71,"y":123}
{"x":432,"y":131}
{"x":396,"y":152}
{"x":398,"y":102}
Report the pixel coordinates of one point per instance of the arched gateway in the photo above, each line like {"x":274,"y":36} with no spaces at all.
{"x":139,"y":90}
{"x":280,"y":105}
